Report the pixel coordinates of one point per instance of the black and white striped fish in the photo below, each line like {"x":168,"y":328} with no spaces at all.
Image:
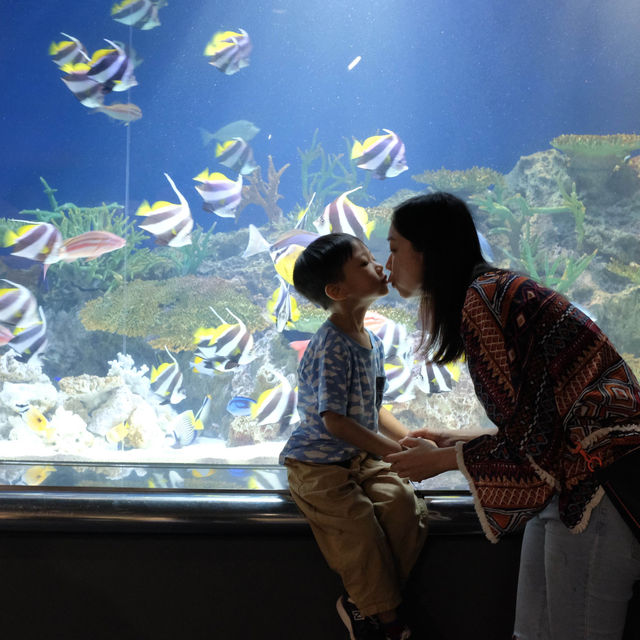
{"x":171,"y":224}
{"x":38,"y":241}
{"x":277,"y":405}
{"x":88,"y":91}
{"x":222,"y":348}
{"x":18,"y":306}
{"x":283,"y":306}
{"x":70,"y":51}
{"x":437,"y":378}
{"x":384,"y":155}
{"x":237,"y":155}
{"x":166,"y":381}
{"x":112,"y":68}
{"x":342,"y":216}
{"x":221,"y":195}
{"x":30,"y":340}
{"x":142,"y":14}
{"x":394,"y":335}
{"x":229,"y":51}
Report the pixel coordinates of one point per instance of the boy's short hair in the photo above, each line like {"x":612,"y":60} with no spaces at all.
{"x":320,"y":264}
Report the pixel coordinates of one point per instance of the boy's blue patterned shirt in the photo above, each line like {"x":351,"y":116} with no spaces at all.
{"x":335,"y":374}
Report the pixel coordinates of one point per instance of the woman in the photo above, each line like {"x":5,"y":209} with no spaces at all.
{"x":565,"y":404}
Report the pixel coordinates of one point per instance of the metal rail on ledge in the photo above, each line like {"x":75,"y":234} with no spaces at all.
{"x":180,"y":511}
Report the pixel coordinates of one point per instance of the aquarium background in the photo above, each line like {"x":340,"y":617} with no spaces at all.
{"x":530,"y":111}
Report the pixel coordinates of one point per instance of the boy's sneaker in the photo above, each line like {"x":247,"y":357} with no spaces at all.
{"x":360,"y":627}
{"x":396,"y":631}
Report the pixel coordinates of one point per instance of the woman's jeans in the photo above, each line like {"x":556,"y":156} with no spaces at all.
{"x":576,"y":586}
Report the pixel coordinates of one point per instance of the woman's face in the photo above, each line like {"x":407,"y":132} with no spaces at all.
{"x":404,"y":265}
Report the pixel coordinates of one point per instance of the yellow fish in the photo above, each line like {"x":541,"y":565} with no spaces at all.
{"x":35,"y":420}
{"x":118,"y":433}
{"x":34,"y":476}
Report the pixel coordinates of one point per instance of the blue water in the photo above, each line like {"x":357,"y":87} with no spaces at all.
{"x":462,"y":82}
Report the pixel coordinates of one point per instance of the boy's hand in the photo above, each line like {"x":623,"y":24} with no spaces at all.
{"x":422,"y":459}
{"x":440,"y":438}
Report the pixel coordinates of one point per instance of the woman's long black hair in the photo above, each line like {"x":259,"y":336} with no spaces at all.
{"x":439,"y":225}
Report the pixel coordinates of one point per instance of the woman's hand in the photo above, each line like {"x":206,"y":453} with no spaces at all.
{"x":421,"y":459}
{"x":440,"y":438}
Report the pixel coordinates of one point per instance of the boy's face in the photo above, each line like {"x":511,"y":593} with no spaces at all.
{"x":364,"y":278}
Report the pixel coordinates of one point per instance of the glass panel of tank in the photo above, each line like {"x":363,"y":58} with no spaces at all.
{"x":164,"y":163}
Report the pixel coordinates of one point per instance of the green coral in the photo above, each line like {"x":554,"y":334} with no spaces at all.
{"x":465,"y":182}
{"x":172,"y":311}
{"x":630,"y":271}
{"x":328,"y":175}
{"x":512,"y":218}
{"x":618,"y":145}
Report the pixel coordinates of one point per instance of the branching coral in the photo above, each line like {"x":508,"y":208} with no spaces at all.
{"x":617,"y":145}
{"x":630,"y":271}
{"x":264,"y":194}
{"x":462,"y":183}
{"x":173,"y":309}
{"x":328,"y":175}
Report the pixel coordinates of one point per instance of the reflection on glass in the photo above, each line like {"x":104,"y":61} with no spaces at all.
{"x":146,"y":307}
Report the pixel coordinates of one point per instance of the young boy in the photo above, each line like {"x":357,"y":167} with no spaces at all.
{"x":368,"y":522}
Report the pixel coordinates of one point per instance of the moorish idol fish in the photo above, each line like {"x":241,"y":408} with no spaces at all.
{"x":277,"y":405}
{"x":342,"y":216}
{"x":229,"y":51}
{"x":171,"y":224}
{"x":142,"y":14}
{"x":237,"y":155}
{"x":222,"y":348}
{"x":69,"y":51}
{"x":221,"y":195}
{"x":384,"y":155}
{"x":166,"y":381}
{"x":284,"y":251}
{"x":38,"y":241}
{"x":437,"y":378}
{"x":18,"y":306}
{"x":30,"y":340}
{"x":112,"y":68}
{"x":283,"y":306}
{"x":394,"y":335}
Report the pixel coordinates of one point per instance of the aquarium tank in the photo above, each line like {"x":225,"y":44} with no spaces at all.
{"x":165,"y":161}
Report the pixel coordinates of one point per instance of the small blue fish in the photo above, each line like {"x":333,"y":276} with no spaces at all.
{"x":240,"y":406}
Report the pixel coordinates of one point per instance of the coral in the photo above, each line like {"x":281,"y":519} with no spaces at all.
{"x":264,"y":194}
{"x":629,"y":271}
{"x":462,"y":183}
{"x":617,"y":315}
{"x":173,"y":309}
{"x":593,"y":146}
{"x":633,"y":362}
{"x":14,"y":370}
{"x":328,"y":176}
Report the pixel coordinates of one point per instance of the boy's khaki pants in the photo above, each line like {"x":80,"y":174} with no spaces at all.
{"x":368,"y":523}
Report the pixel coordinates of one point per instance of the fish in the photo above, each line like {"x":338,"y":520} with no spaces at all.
{"x":436,"y":378}
{"x":37,"y":474}
{"x":39,"y":241}
{"x":70,"y":51}
{"x":6,"y":335}
{"x":344,"y":216}
{"x":112,"y":68}
{"x":90,"y":245}
{"x":229,"y":51}
{"x":222,"y":348}
{"x":30,"y":340}
{"x":394,"y":335}
{"x":221,"y":195}
{"x":354,"y":63}
{"x":36,"y":421}
{"x":166,"y":381}
{"x":284,"y":251}
{"x":237,"y":155}
{"x":118,"y":433}
{"x":237,"y":129}
{"x":277,"y":405}
{"x":240,"y":406}
{"x":88,"y":91}
{"x":171,"y":224}
{"x":485,"y":248}
{"x":400,"y":382}
{"x":205,"y":473}
{"x":283,"y":306}
{"x":185,"y":428}
{"x":301,"y":216}
{"x":384,"y":155}
{"x":18,"y":306}
{"x":125,"y":113}
{"x":299,"y":346}
{"x":142,"y":14}
{"x":204,"y":412}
